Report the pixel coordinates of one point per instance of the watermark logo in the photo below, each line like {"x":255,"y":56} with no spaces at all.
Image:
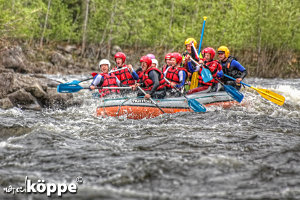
{"x":42,"y":187}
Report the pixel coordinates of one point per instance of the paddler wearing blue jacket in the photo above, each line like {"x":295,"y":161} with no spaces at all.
{"x":231,"y":67}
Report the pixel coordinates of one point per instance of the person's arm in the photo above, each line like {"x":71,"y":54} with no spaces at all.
{"x":97,"y":80}
{"x":240,"y":67}
{"x":182,"y":77}
{"x":134,"y":75}
{"x":154,"y":76}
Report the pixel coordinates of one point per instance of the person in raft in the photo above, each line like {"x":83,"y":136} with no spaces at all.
{"x":104,"y":79}
{"x":154,"y":63}
{"x":127,"y":76}
{"x":189,"y":53}
{"x":214,"y":67}
{"x":231,"y":67}
{"x":176,"y":75}
{"x":167,"y":61}
{"x":152,"y":80}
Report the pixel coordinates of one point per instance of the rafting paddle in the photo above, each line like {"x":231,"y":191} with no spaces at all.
{"x":76,"y":82}
{"x":151,"y":99}
{"x":71,"y":88}
{"x":233,"y":92}
{"x":193,"y":103}
{"x":205,"y":73}
{"x":267,"y":94}
{"x":202,"y":33}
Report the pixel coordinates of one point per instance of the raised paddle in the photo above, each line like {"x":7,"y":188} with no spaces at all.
{"x":267,"y":94}
{"x":205,"y":73}
{"x":151,"y":99}
{"x":202,"y":33}
{"x":193,"y":103}
{"x":71,"y":88}
{"x":233,"y":92}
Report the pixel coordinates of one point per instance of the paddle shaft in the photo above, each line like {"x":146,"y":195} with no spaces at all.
{"x":175,"y":88}
{"x":193,"y":104}
{"x":235,"y":79}
{"x":194,"y":61}
{"x":202,"y":33}
{"x":281,"y":99}
{"x":151,"y":99}
{"x":110,"y":88}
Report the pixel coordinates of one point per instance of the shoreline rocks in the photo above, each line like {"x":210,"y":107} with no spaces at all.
{"x":21,"y":87}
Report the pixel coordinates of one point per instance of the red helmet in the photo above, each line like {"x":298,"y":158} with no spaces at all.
{"x":177,"y":56}
{"x":147,"y":60}
{"x":120,"y":55}
{"x":168,"y":56}
{"x":209,"y":50}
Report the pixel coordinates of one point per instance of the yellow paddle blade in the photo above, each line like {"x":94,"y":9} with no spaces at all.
{"x":271,"y":96}
{"x":194,"y":81}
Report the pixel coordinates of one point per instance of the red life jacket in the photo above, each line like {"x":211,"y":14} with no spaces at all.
{"x":149,"y":83}
{"x":173,"y":74}
{"x":108,"y":81}
{"x":164,"y":68}
{"x":213,"y":66}
{"x":124,"y":76}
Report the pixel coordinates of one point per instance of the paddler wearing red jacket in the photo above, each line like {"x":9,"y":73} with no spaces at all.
{"x":127,"y":76}
{"x":213,"y":66}
{"x":152,"y":80}
{"x":104,"y":79}
{"x":176,"y":75}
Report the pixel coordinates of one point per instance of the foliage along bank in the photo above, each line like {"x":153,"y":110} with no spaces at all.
{"x":264,"y":35}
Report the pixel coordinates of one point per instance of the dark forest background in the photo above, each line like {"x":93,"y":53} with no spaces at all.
{"x":263,"y":34}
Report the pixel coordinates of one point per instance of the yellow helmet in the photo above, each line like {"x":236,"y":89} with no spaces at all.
{"x":225,"y":50}
{"x":189,"y":40}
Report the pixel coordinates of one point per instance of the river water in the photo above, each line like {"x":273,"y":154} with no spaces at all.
{"x":246,"y":152}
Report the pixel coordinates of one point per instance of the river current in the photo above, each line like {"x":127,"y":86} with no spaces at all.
{"x":245,"y":152}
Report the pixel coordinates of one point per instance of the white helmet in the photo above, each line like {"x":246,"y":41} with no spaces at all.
{"x":103,"y":62}
{"x":154,"y":61}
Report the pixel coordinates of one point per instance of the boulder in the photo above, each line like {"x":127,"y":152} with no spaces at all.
{"x":36,"y":90}
{"x":67,"y":48}
{"x":115,"y":49}
{"x":23,"y":99}
{"x":5,"y":103}
{"x":59,"y":59}
{"x":14,"y":58}
{"x":6,"y":81}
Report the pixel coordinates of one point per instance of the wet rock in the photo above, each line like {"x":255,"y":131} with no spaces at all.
{"x":21,"y":98}
{"x":67,"y":48}
{"x":59,"y":59}
{"x":115,"y":49}
{"x":31,"y":92}
{"x":6,"y":81}
{"x":6,"y":103}
{"x":36,"y":90}
{"x":58,"y":100}
{"x":14,"y":58}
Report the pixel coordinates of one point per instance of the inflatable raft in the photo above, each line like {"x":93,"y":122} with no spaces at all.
{"x":139,"y":108}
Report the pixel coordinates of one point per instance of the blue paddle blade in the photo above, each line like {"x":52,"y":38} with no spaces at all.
{"x":68,"y":88}
{"x":196,"y":106}
{"x":75,"y":82}
{"x":206,"y":75}
{"x":234,"y":93}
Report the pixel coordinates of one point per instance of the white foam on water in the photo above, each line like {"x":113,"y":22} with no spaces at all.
{"x":8,"y":145}
{"x":291,"y":94}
